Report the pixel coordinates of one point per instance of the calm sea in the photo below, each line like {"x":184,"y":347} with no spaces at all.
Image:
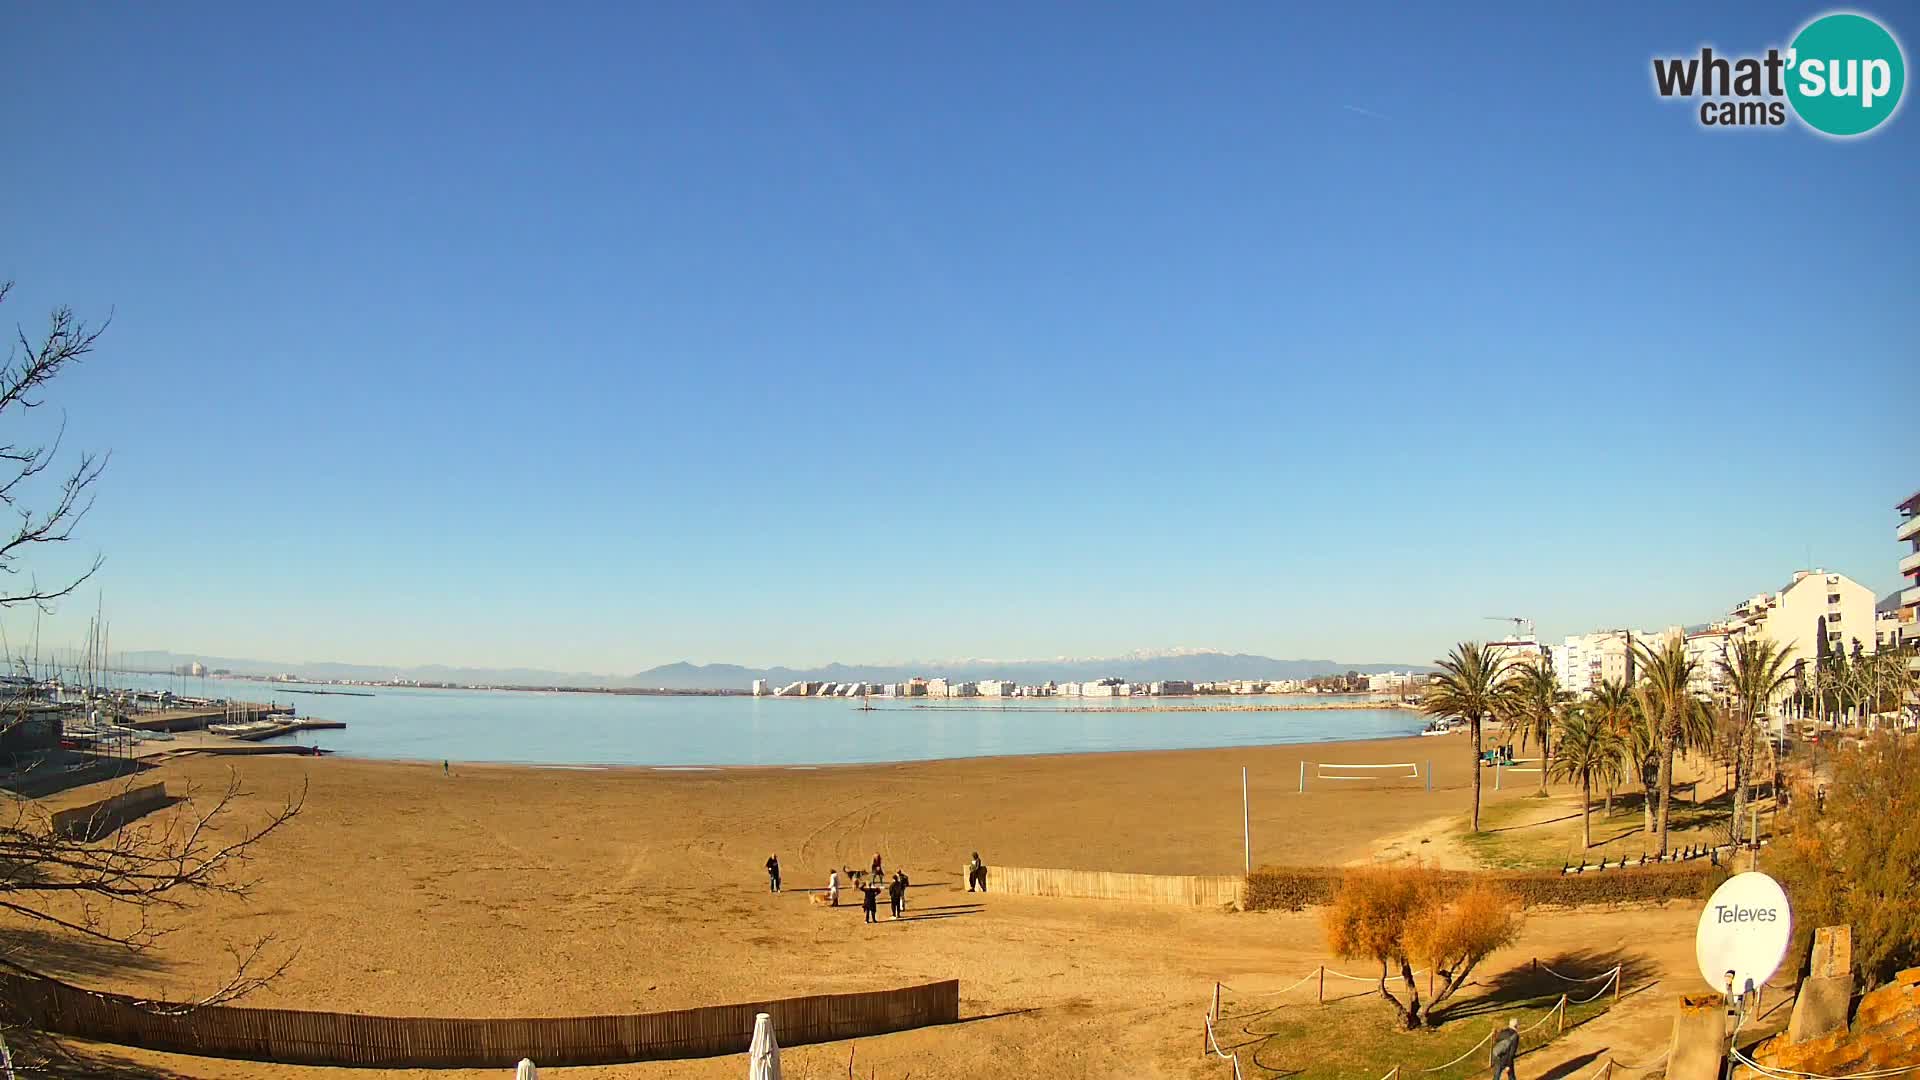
{"x":605,"y":729}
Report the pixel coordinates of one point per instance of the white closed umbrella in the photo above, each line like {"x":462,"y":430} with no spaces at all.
{"x":763,"y":1057}
{"x":526,"y":1071}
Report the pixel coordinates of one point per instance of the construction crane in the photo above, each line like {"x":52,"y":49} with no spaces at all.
{"x":1522,"y":627}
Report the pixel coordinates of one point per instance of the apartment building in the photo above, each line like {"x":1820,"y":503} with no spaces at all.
{"x":1908,"y":532}
{"x":1583,"y":661}
{"x":1814,"y":614}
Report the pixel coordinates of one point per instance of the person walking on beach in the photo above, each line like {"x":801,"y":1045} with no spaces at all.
{"x":894,"y":894}
{"x":877,"y":873}
{"x":870,"y":900}
{"x":773,"y":873}
{"x":902,"y":875}
{"x":1506,"y":1047}
{"x":976,"y":873}
{"x":833,"y":888}
{"x":446,"y":768}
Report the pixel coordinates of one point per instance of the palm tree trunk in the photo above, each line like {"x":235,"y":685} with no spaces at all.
{"x":1586,"y":804}
{"x":1545,"y":756}
{"x":1476,"y":773}
{"x":1741,"y":752}
{"x":1666,"y":794}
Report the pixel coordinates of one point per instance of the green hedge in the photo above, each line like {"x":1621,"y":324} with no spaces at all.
{"x":1291,"y":888}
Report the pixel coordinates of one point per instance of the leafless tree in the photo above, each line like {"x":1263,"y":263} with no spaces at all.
{"x":113,"y":882}
{"x":32,"y":362}
{"x":107,"y":882}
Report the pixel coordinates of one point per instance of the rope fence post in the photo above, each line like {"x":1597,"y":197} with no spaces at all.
{"x":1560,"y":1026}
{"x":1321,"y":997}
{"x":1303,"y":777}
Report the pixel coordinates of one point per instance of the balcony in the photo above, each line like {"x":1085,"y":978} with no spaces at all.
{"x":1909,"y":528}
{"x":1910,"y":597}
{"x":1910,"y":565}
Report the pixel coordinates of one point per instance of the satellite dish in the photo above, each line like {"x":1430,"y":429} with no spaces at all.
{"x":1744,"y":930}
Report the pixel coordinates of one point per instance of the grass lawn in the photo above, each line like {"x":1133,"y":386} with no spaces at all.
{"x":1360,"y":1036}
{"x":1544,"y":834}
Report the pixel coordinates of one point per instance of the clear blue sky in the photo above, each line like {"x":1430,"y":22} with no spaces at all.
{"x":591,"y":337}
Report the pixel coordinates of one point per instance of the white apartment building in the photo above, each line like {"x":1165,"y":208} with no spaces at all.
{"x":1811,"y":615}
{"x":1583,"y":661}
{"x":1908,"y":533}
{"x":994,"y":688}
{"x":1708,"y":651}
{"x":937,"y":687}
{"x":1389,"y":681}
{"x":759,"y":688}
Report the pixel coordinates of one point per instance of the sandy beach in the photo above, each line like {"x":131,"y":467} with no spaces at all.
{"x":502,"y":891}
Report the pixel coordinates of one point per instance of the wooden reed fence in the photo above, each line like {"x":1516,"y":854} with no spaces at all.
{"x":1188,"y":890}
{"x":413,"y":1042}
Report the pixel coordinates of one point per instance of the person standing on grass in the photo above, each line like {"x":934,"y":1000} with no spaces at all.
{"x":870,"y":900}
{"x":773,"y":873}
{"x":1506,"y":1047}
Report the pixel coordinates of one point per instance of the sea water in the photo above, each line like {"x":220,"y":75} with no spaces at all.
{"x":584,"y":729}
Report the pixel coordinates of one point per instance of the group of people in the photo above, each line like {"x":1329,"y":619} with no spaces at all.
{"x":869,"y":887}
{"x":870,"y":884}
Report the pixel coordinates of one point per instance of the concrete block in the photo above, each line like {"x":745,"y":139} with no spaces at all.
{"x":1699,"y":1038}
{"x":1828,"y":988}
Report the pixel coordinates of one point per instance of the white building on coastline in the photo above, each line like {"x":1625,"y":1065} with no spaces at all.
{"x":1814,"y":614}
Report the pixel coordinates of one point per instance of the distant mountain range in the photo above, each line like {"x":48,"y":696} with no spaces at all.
{"x":1200,"y":665}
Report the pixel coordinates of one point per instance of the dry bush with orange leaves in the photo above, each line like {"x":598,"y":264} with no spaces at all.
{"x":1405,"y":915}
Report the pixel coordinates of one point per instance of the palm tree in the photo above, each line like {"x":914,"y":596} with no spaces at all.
{"x":1643,"y":751}
{"x":1590,"y":752}
{"x":1533,"y":705}
{"x":1472,"y":685}
{"x":1756,"y":671}
{"x":1611,"y":704}
{"x":1672,"y":707}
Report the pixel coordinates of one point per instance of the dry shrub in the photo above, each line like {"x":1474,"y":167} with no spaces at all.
{"x":1858,"y":861}
{"x":1403,"y":914}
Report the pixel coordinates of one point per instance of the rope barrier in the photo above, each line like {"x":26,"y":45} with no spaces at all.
{"x":1275,"y":993}
{"x":1363,"y":978}
{"x":1570,"y":978}
{"x":1213,"y":1044}
{"x":1603,"y":989}
{"x":1464,"y":1056}
{"x":1557,"y":1006}
{"x":1795,"y":1074}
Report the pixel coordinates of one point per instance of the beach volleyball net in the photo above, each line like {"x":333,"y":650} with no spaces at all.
{"x":1374,"y":773}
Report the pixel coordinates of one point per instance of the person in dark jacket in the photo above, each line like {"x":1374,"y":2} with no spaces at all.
{"x":773,"y":873}
{"x":896,"y":891}
{"x":1506,"y":1047}
{"x":870,"y":900}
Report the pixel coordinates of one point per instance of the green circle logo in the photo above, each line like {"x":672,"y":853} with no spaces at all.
{"x":1845,"y":74}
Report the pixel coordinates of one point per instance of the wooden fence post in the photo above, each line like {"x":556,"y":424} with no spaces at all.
{"x":1321,"y":997}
